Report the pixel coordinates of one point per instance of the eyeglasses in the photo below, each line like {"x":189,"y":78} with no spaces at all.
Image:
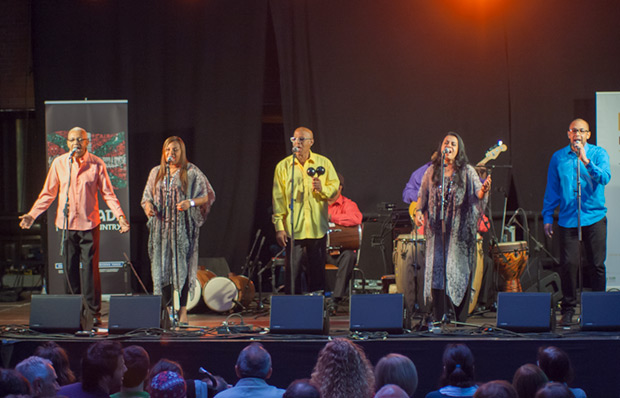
{"x":300,"y":139}
{"x":578,"y":131}
{"x":78,"y":140}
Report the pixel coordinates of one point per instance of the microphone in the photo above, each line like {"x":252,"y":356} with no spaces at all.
{"x":169,"y":159}
{"x":73,"y":151}
{"x":295,"y":149}
{"x":512,"y":218}
{"x":447,"y":150}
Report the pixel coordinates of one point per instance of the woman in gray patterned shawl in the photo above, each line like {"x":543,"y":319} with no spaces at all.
{"x":465,"y":201}
{"x":176,"y":209}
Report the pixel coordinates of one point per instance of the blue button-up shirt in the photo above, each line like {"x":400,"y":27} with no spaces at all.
{"x":562,"y":186}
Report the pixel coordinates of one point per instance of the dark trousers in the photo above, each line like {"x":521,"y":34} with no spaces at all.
{"x":83,"y":246}
{"x":594,"y":238}
{"x":313,"y":264}
{"x":460,"y":312}
{"x":167,"y":297}
{"x":345,"y":262}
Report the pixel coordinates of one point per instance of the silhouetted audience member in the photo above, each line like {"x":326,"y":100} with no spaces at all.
{"x":528,"y":379}
{"x":555,"y":390}
{"x":557,"y":366}
{"x":302,"y":388}
{"x":137,"y":362}
{"x":13,"y":383}
{"x":168,"y":384}
{"x":103,"y":367}
{"x":41,"y":376}
{"x":457,"y":378}
{"x":496,"y":389}
{"x":396,"y":369}
{"x":343,"y":371}
{"x":60,"y":361}
{"x":391,"y":391}
{"x":253,"y":368}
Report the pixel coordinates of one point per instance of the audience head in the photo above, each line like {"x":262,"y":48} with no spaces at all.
{"x":458,"y":366}
{"x":496,"y":389}
{"x":396,"y":369}
{"x":41,"y":376}
{"x":13,"y":383}
{"x":161,"y":366}
{"x":555,"y":390}
{"x":302,"y":388}
{"x":391,"y":391}
{"x":555,"y":363}
{"x":103,"y":367}
{"x":342,"y":370}
{"x":528,"y":379}
{"x":167,"y":384}
{"x":254,"y":361}
{"x":137,"y":362}
{"x":60,"y":361}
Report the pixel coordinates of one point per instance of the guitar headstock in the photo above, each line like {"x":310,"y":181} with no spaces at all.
{"x":493,"y":153}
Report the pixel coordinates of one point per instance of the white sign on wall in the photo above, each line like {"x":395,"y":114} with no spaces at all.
{"x":608,"y":137}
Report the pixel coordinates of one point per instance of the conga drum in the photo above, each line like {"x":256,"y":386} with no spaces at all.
{"x":409,"y":265}
{"x":477,"y":274}
{"x":511,"y":259}
{"x":195,"y":294}
{"x":245,"y":287}
{"x":341,"y":238}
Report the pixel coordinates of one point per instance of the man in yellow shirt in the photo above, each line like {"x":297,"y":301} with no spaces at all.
{"x":315,"y":181}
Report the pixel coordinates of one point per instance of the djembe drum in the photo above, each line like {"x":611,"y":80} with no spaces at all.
{"x":511,"y":259}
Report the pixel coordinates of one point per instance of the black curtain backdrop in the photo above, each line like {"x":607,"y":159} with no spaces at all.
{"x":188,"y":68}
{"x":379,"y":82}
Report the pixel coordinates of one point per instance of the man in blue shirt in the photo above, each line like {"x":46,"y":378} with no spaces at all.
{"x":253,"y":369}
{"x":594,"y":173}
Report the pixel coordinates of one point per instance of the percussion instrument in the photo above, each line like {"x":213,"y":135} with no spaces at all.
{"x":477,"y":273}
{"x":195,"y":294}
{"x":409,"y":265}
{"x":221,"y":294}
{"x":344,"y":238}
{"x":511,"y":259}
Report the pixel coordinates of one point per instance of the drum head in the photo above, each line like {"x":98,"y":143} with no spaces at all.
{"x":220,"y":294}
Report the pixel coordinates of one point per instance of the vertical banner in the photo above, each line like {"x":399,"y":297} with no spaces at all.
{"x":608,"y":137}
{"x":106,"y":124}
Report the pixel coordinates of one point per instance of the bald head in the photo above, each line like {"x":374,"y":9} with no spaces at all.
{"x":303,"y":138}
{"x":305,"y":131}
{"x":77,"y":141}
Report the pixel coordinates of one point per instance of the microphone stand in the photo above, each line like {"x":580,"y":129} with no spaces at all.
{"x":579,"y":232}
{"x":64,"y":240}
{"x":442,"y":217}
{"x":172,"y":217}
{"x":292,"y":213}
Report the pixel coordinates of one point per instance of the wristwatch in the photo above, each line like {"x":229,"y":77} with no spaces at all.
{"x":192,"y":203}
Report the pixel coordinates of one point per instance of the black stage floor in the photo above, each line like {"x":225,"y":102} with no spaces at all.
{"x":595,"y":355}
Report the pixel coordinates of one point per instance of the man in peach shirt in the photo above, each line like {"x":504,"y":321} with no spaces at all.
{"x":85,"y":174}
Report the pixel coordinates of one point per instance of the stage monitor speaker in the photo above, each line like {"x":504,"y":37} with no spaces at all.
{"x":600,"y":311}
{"x":298,"y":314}
{"x":376,"y":251}
{"x":129,"y":313}
{"x":55,"y":313}
{"x":376,"y":313}
{"x":525,"y":312}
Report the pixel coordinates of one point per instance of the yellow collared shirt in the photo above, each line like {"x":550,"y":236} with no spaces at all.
{"x":310,"y":208}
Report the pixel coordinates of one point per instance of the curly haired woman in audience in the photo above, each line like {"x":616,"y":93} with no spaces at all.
{"x":343,"y":371}
{"x":457,"y":378}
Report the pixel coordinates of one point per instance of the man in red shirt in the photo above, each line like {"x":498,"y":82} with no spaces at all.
{"x":80,"y":175}
{"x":343,"y":212}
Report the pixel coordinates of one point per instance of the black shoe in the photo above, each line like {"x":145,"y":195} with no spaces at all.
{"x":567,"y":319}
{"x":97,"y":321}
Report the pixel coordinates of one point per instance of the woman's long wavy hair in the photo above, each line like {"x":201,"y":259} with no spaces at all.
{"x":182,"y":164}
{"x":458,"y":366}
{"x":460,"y":162}
{"x":343,"y":371}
